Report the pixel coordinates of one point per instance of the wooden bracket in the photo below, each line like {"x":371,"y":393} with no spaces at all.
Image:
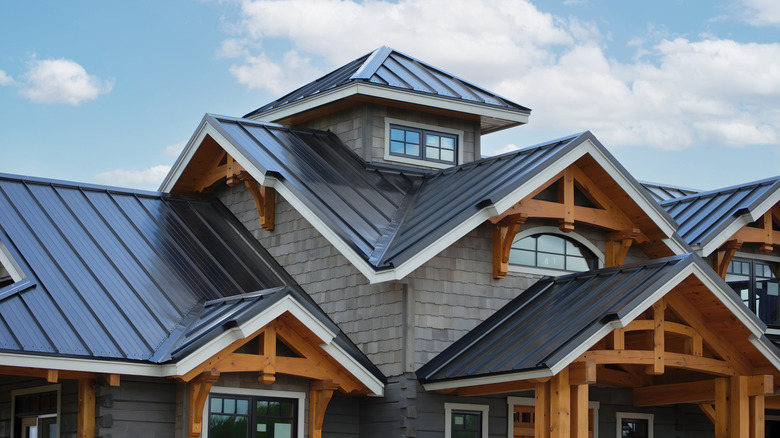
{"x":723,"y":256}
{"x":268,"y":349}
{"x":503,"y":236}
{"x":199,"y":392}
{"x":320,"y":393}
{"x":265,"y":200}
{"x":617,"y":245}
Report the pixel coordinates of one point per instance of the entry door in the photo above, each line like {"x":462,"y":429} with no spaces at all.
{"x":525,"y":420}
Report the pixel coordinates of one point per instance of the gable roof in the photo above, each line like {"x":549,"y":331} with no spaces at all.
{"x":707,"y":219}
{"x":118,"y":275}
{"x":389,"y":74}
{"x":664,"y":192}
{"x":526,"y":338}
{"x":389,"y":220}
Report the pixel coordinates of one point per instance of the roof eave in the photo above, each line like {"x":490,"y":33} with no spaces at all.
{"x":510,"y":117}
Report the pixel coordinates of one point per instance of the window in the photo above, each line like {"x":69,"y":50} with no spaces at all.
{"x":427,"y":145}
{"x":756,"y":281}
{"x":633,"y":425}
{"x":465,"y":421}
{"x":243,"y":413}
{"x":551,"y":251}
{"x":36,"y":412}
{"x":423,"y":144}
{"x":10,"y":272}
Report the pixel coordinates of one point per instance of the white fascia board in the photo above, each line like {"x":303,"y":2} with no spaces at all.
{"x":488,"y":380}
{"x":77,"y":364}
{"x":367,"y":89}
{"x":374,"y":385}
{"x":286,"y":304}
{"x":740,"y":222}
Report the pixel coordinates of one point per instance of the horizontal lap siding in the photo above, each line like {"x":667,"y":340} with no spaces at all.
{"x":137,"y":407}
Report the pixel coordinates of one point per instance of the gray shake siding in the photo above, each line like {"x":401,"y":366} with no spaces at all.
{"x":362,"y":128}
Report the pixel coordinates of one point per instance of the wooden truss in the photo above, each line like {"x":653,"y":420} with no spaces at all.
{"x":310,"y":362}
{"x":761,"y":232}
{"x":668,"y":355}
{"x":604,"y":214}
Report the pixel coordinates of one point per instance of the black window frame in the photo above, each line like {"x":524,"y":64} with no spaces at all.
{"x":456,"y":431}
{"x":770,"y":315}
{"x":422,"y":154}
{"x":252,"y":416}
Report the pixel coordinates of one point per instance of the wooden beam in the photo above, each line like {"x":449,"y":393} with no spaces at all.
{"x":579,"y":411}
{"x":198,"y":393}
{"x":85,"y":427}
{"x":723,"y":256}
{"x":772,"y":402}
{"x":708,"y":410}
{"x":52,"y":376}
{"x":320,"y":393}
{"x":765,"y":235}
{"x":45,"y":373}
{"x":702,"y":391}
{"x":617,"y":377}
{"x":675,"y":360}
{"x":582,"y":373}
{"x":503,"y":236}
{"x":112,"y":379}
{"x":566,"y":197}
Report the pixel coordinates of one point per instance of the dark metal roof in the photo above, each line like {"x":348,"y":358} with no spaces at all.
{"x":551,"y":319}
{"x":386,"y":214}
{"x":116,"y":274}
{"x":389,"y":68}
{"x":661,"y":192}
{"x":703,"y":216}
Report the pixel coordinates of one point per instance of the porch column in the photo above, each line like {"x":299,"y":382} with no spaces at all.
{"x":86,"y":416}
{"x":757,"y":416}
{"x":739,"y":407}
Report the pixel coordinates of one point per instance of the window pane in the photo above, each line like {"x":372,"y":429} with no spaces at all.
{"x":432,"y":153}
{"x":550,"y":243}
{"x":396,"y":147}
{"x":526,"y":243}
{"x":522,"y":257}
{"x":287,"y":409}
{"x":447,"y":155}
{"x":576,"y":264}
{"x":396,"y":134}
{"x":262,"y":407}
{"x":551,"y":261}
{"x":216,"y":405}
{"x":448,"y":143}
{"x":229,"y":406}
{"x":242,"y":407}
{"x":413,"y":150}
{"x":273,"y":409}
{"x":228,"y":426}
{"x":432,"y":140}
{"x":634,"y":428}
{"x":412,"y":137}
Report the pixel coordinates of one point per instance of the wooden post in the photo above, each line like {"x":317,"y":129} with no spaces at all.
{"x":566,"y":197}
{"x":658,"y":337}
{"x":757,"y":416}
{"x":722,"y":407}
{"x":542,"y":410}
{"x":560,"y":405}
{"x":579,"y":411}
{"x":739,"y":411}
{"x":86,"y":414}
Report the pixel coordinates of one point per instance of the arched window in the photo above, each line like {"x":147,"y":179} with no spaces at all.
{"x":552,"y":251}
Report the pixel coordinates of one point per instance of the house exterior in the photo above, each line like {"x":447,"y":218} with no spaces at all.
{"x":342,"y":262}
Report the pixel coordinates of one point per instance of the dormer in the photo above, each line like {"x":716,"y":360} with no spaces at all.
{"x":391,"y":108}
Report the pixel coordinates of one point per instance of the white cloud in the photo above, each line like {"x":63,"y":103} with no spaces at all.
{"x":675,"y":93}
{"x":175,"y":149}
{"x":505,"y":150}
{"x":762,"y":12}
{"x":61,"y":81}
{"x":5,"y":79}
{"x":147,"y":179}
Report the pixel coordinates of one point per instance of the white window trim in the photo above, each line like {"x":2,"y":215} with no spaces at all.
{"x":449,"y":407}
{"x":34,"y":390}
{"x":528,"y":401}
{"x":406,"y":160}
{"x":300,"y":396}
{"x":9,"y":264}
{"x":554,"y":230}
{"x":619,"y":416}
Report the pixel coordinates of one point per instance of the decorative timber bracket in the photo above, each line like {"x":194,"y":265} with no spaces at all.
{"x":320,"y":393}
{"x":762,"y":232}
{"x":603,"y":213}
{"x":199,"y":392}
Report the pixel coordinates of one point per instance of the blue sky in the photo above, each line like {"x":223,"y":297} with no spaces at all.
{"x":682,"y":92}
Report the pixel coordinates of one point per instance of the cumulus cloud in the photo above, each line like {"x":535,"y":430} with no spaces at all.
{"x":175,"y":149}
{"x":762,"y":12}
{"x":61,"y":81}
{"x":5,"y":79}
{"x":147,"y":179}
{"x":675,"y":93}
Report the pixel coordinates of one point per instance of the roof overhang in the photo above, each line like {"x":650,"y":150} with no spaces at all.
{"x":749,"y":216}
{"x":492,"y":118}
{"x":695,"y":267}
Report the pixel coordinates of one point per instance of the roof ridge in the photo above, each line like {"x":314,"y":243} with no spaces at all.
{"x":713,"y":192}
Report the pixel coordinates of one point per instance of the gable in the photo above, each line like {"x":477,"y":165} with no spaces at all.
{"x":388,"y":221}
